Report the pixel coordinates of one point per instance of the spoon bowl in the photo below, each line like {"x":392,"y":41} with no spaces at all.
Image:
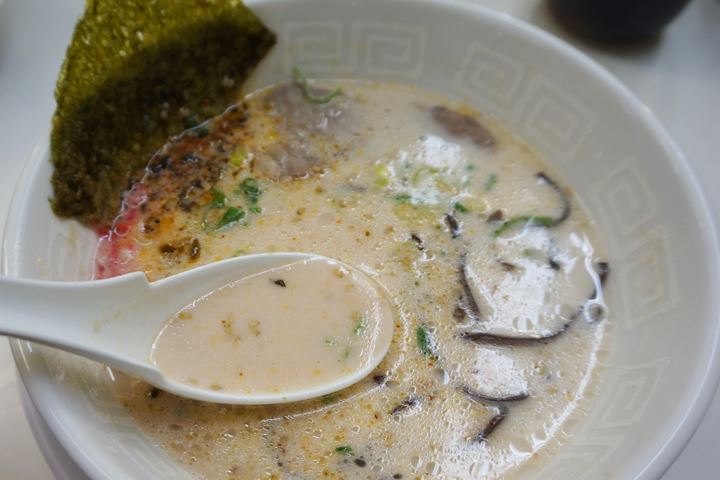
{"x":116,"y":321}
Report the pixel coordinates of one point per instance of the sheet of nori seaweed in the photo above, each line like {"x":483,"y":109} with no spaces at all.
{"x":135,"y":73}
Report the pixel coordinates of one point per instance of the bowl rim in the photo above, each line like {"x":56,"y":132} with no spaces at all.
{"x":683,"y":431}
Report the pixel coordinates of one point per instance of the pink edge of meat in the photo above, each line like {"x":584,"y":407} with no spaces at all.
{"x":117,"y":248}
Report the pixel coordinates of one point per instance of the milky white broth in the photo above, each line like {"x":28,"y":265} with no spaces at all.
{"x":493,"y":268}
{"x":297,"y":327}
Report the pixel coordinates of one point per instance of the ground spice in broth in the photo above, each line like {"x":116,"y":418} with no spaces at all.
{"x":494,"y":268}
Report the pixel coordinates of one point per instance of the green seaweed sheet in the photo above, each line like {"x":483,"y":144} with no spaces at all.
{"x":135,"y":73}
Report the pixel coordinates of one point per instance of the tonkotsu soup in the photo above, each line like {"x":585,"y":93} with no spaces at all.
{"x":494,"y":269}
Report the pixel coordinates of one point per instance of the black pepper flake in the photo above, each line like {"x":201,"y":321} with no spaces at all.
{"x":554,"y":264}
{"x":160,"y":165}
{"x":380,"y":379}
{"x":406,"y":404}
{"x":194,"y":249}
{"x":453,"y":225}
{"x":190,"y":158}
{"x":418,"y":241}
{"x":507,"y":266}
{"x":154,"y":392}
{"x":360,"y":462}
{"x":397,"y":476}
{"x":167,"y":249}
{"x":280,"y":283}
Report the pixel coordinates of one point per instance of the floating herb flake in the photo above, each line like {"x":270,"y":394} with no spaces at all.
{"x":232,"y":215}
{"x":460,"y":207}
{"x":382,"y":175}
{"x":490,"y":182}
{"x":344,"y":450}
{"x":251,"y":190}
{"x":403,"y":198}
{"x":360,"y":327}
{"x":238,"y":157}
{"x":529,"y":220}
{"x":424,"y":341}
{"x":328,"y":399}
{"x":299,"y":77}
{"x":218,"y":199}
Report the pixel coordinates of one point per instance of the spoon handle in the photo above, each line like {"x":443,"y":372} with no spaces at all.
{"x":89,"y":318}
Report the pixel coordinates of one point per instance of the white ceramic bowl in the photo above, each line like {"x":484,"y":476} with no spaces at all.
{"x":661,"y":372}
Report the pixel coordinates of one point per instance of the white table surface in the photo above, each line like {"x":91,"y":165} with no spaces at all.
{"x":678,"y":78}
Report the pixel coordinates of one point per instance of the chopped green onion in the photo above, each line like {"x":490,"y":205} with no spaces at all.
{"x":238,"y":156}
{"x":403,"y":198}
{"x":424,"y":341}
{"x":328,"y":399}
{"x":344,"y":450}
{"x":422,"y":172}
{"x":232,"y":215}
{"x":529,"y":220}
{"x":359,"y":327}
{"x":330,"y":341}
{"x":490,"y":182}
{"x":460,"y":207}
{"x":251,"y":190}
{"x":255,"y":209}
{"x":218,"y":199}
{"x":299,"y":77}
{"x":382,"y":175}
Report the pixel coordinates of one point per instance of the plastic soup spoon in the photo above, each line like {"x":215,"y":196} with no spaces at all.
{"x":256,"y":329}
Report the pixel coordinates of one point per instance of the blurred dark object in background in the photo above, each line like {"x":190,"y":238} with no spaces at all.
{"x":616,"y":20}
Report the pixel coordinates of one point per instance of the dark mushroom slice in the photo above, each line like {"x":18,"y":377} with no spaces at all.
{"x":519,"y":340}
{"x":602,"y":270}
{"x":418,"y":241}
{"x":461,"y":125}
{"x":541,"y":220}
{"x":408,"y":404}
{"x":453,"y":224}
{"x":501,"y":413}
{"x":564,"y":200}
{"x":467,"y":301}
{"x":499,"y":398}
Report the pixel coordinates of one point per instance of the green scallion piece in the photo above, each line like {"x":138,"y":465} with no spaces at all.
{"x":344,"y":450}
{"x":238,"y":156}
{"x":529,"y":220}
{"x":218,"y":199}
{"x":424,"y":341}
{"x":403,"y":198}
{"x":460,"y":207}
{"x":232,"y":215}
{"x":328,"y":399}
{"x":490,"y":182}
{"x":359,"y":327}
{"x":251,"y":190}
{"x":299,"y":77}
